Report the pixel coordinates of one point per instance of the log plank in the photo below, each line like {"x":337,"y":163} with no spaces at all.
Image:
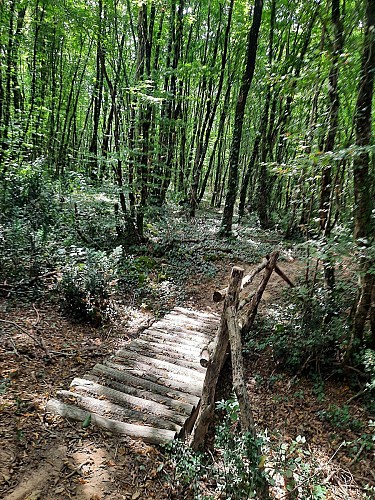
{"x":149,"y":434}
{"x":178,"y":406}
{"x":115,"y":411}
{"x":84,"y":386}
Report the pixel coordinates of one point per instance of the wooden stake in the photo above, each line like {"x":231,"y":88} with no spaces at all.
{"x":207,"y":403}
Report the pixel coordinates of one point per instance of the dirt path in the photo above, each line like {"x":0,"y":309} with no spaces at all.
{"x":51,"y":458}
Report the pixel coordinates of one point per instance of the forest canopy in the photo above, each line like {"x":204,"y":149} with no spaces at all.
{"x":261,"y":109}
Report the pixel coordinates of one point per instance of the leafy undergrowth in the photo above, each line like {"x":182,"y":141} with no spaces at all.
{"x":318,"y":435}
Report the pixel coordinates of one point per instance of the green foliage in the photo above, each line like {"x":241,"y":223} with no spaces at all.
{"x":364,"y":443}
{"x":235,"y":469}
{"x":87,"y":284}
{"x":134,"y":273}
{"x":305,"y":329}
{"x":234,"y":473}
{"x":4,"y":385}
{"x":296,"y":465}
{"x":188,"y":467}
{"x":240,"y":460}
{"x":340,"y":417}
{"x":368,"y":360}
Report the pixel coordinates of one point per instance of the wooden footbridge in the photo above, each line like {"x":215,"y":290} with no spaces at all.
{"x":157,"y":387}
{"x":151,"y":388}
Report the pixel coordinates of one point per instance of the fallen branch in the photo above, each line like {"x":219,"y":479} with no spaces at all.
{"x":39,"y":342}
{"x":23,"y":283}
{"x":358,"y":454}
{"x":283,"y":276}
{"x":37,"y":316}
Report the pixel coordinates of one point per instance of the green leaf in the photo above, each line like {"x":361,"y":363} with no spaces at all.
{"x":86,"y":422}
{"x":289,"y":473}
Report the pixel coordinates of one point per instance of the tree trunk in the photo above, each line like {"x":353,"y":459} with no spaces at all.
{"x":326,"y":184}
{"x":363,"y":222}
{"x":227,"y":220}
{"x":209,"y":120}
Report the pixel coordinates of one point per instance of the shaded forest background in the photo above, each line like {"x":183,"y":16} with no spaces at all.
{"x":146,"y":147}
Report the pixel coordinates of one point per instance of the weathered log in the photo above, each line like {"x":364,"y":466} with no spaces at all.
{"x":128,"y":358}
{"x":219,"y":295}
{"x":148,"y":434}
{"x":207,"y":403}
{"x":239,"y":385}
{"x":140,"y":382}
{"x":157,"y":351}
{"x":283,"y":276}
{"x":206,"y":353}
{"x":127,"y":401}
{"x":112,"y":410}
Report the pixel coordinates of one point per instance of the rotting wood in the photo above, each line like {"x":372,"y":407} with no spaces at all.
{"x":112,"y":410}
{"x":199,"y":314}
{"x":135,"y":381}
{"x":155,"y":381}
{"x":207,"y":403}
{"x":183,"y":350}
{"x":137,"y":364}
{"x":128,"y":355}
{"x":177,"y":406}
{"x":206,"y":353}
{"x":160,"y":353}
{"x":84,"y":386}
{"x":191,"y":337}
{"x":173,"y":381}
{"x":190,"y":323}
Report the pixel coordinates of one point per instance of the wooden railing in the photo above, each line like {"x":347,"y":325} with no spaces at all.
{"x":236,"y":320}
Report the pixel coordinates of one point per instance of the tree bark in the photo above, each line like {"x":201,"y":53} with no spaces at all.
{"x":209,"y":119}
{"x":334,"y":104}
{"x":239,"y":385}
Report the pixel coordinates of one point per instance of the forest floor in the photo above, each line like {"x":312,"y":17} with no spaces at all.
{"x":48,"y":458}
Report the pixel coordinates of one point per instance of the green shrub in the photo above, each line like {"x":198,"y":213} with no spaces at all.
{"x":87,"y":284}
{"x":303,"y":331}
{"x":340,"y":417}
{"x":234,"y":469}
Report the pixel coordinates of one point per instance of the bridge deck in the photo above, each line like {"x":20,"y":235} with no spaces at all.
{"x":151,"y":388}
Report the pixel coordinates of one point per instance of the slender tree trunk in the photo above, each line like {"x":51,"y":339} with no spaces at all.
{"x":227,"y":220}
{"x":326,"y":184}
{"x":279,"y":130}
{"x":218,"y":140}
{"x":98,"y":97}
{"x":208,"y":122}
{"x":363,"y":179}
{"x":6,"y":100}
